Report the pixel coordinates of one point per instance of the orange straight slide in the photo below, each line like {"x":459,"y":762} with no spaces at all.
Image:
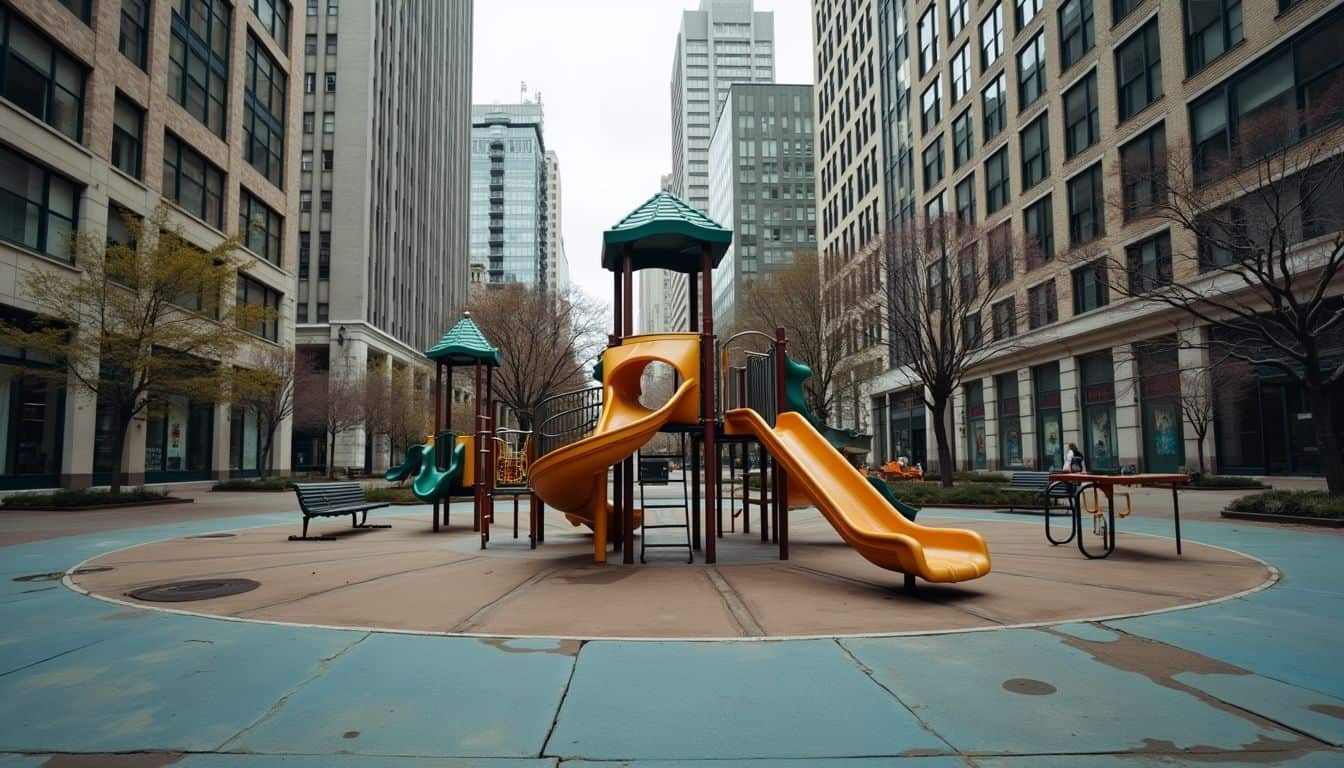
{"x":856,"y":510}
{"x":573,"y":479}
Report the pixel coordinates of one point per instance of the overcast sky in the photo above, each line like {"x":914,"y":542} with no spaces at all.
{"x":604,"y":70}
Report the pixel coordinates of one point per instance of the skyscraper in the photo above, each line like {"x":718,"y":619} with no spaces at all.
{"x":654,"y":288}
{"x":721,"y":43}
{"x":557,"y":264}
{"x":761,"y":186}
{"x":510,"y":227}
{"x":383,"y":231}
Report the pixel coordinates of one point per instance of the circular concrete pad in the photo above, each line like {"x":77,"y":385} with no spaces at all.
{"x":408,"y":578}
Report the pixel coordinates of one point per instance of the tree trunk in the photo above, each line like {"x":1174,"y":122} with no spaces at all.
{"x":1321,"y":397}
{"x":1199,"y":449}
{"x":945,"y":464}
{"x":119,"y":428}
{"x":264,"y":457}
{"x":331,"y":455}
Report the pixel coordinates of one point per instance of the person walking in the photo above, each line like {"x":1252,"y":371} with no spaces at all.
{"x":1074,"y":461}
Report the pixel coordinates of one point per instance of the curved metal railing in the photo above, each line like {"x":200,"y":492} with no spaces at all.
{"x":564,"y":418}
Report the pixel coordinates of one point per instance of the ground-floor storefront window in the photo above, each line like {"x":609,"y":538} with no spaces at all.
{"x":908,"y":434}
{"x":1049,"y":427}
{"x":1160,"y":402}
{"x":1099,"y":434}
{"x":976,"y":456}
{"x":308,"y":452}
{"x":1263,"y":423}
{"x":244,"y":442}
{"x":32,"y":417}
{"x":880,"y":455}
{"x":179,"y":437}
{"x":1010,"y":421}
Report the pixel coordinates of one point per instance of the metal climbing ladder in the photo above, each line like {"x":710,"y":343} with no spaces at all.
{"x":653,"y":470}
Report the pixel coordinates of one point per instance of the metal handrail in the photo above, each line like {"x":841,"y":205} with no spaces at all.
{"x":566,"y":417}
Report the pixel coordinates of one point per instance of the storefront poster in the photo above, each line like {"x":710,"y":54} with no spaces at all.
{"x":1166,"y":441}
{"x":1054,"y":449}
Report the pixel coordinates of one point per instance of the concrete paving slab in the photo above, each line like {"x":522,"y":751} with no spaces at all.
{"x":424,"y":696}
{"x":170,"y":683}
{"x":680,"y":701}
{"x":354,"y":761}
{"x":1321,"y":759}
{"x":1029,"y":692}
{"x":839,"y":762}
{"x":1307,"y":711}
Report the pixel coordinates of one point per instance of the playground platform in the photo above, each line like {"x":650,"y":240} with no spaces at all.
{"x":1019,"y":668}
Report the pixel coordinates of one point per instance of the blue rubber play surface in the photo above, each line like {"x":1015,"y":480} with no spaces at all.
{"x":1250,"y":681}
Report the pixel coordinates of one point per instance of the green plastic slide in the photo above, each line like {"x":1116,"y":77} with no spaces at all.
{"x":432,"y":483}
{"x":897,"y":504}
{"x":408,"y":468}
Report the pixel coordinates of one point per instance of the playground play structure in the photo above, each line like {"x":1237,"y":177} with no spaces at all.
{"x":586,"y":435}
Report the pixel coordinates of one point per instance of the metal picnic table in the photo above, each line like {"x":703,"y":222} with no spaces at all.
{"x":1082,"y":481}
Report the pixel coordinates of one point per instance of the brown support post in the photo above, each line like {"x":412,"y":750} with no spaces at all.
{"x":445,"y":400}
{"x":693,"y":318}
{"x":707,"y":383}
{"x":488,"y":514}
{"x":477,"y":488}
{"x":438,"y":422}
{"x":741,"y":374}
{"x":628,"y":473}
{"x":695,"y":492}
{"x":781,"y":477}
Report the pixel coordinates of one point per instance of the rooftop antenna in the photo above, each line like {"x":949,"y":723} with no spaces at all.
{"x":522,"y":92}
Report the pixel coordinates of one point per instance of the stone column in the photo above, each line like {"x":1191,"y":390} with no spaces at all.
{"x":382,"y":443}
{"x":1026,"y":403}
{"x":1070,"y":420}
{"x":78,"y":431}
{"x":219,"y":458}
{"x":349,"y":359}
{"x":956,"y":431}
{"x":1128,"y":425}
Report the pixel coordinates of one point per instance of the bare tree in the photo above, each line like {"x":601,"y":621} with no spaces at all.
{"x":545,"y":342}
{"x":410,"y":412}
{"x":1255,"y":250}
{"x":265,"y":388}
{"x":140,"y":321}
{"x":332,"y":402}
{"x":789,"y":299}
{"x":942,"y":286}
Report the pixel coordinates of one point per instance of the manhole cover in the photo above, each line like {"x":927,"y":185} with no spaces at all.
{"x":58,"y":575}
{"x":213,"y":536}
{"x":197,"y":589}
{"x":1028,"y":687}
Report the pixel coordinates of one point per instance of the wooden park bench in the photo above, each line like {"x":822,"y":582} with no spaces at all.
{"x":333,"y":500}
{"x":1039,"y":483}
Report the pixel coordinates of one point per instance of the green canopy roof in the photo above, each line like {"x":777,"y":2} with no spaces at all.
{"x":665,"y":232}
{"x":464,"y":344}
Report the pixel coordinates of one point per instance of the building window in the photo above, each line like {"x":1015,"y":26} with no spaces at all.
{"x":976,"y":453}
{"x":78,"y":7}
{"x":128,"y":126}
{"x":963,"y":139}
{"x":1138,"y":68}
{"x":322,"y":314}
{"x":1076,"y":35}
{"x":1090,"y":289}
{"x":1038,"y":220}
{"x":1086,"y":219}
{"x":312,"y":7}
{"x":323,"y":255}
{"x":333,"y":7}
{"x":263,"y":113}
{"x":928,"y":41}
{"x":331,"y":82}
{"x":1031,"y":72}
{"x":1122,"y":8}
{"x":133,"y":37}
{"x":256,"y":294}
{"x":330,"y":42}
{"x":305,"y":255}
{"x":968,"y":271}
{"x":326,"y":201}
{"x":936,"y":285}
{"x":933,"y":106}
{"x":1098,"y":397}
{"x":328,"y":122}
{"x":274,"y":18}
{"x":1000,"y":254}
{"x":308,"y":123}
{"x":1082,"y":125}
{"x":328,"y":160}
{"x":1143,"y":172}
{"x":310,"y":46}
{"x":1292,"y":93}
{"x":310,"y":83}
{"x":1005,"y":319}
{"x":263,"y":229}
{"x":1149,"y":263}
{"x":39,"y":77}
{"x":996,"y":181}
{"x":1026,"y":11}
{"x":933,"y":163}
{"x":306,"y":162}
{"x":1042,"y":305}
{"x":1035,"y":152}
{"x":966,"y":201}
{"x":970,"y":331}
{"x":198,"y":55}
{"x":958,"y":14}
{"x":193,"y":182}
{"x":961,"y":72}
{"x":1211,"y":27}
{"x":991,"y":37}
{"x":994,"y":105}
{"x":38,"y":208}
{"x":305,"y":201}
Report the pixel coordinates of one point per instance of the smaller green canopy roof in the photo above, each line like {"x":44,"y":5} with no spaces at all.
{"x":464,"y":344}
{"x":665,"y":232}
